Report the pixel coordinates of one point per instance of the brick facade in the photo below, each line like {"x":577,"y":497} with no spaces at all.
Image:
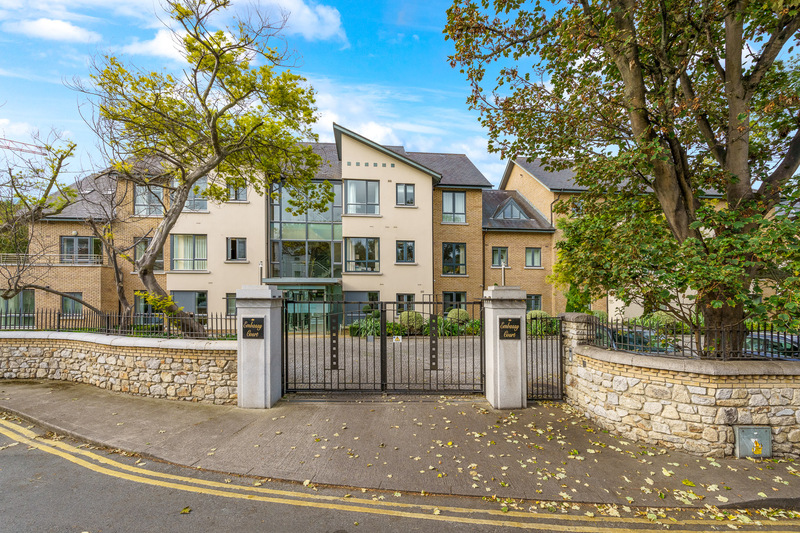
{"x":470,"y":233}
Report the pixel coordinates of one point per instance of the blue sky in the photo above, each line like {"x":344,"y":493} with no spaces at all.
{"x":379,"y":67}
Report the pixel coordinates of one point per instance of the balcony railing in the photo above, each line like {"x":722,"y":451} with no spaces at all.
{"x":51,"y":259}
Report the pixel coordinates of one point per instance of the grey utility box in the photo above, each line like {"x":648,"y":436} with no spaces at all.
{"x":753,"y":441}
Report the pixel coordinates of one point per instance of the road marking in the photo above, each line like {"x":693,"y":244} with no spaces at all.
{"x":214,"y":488}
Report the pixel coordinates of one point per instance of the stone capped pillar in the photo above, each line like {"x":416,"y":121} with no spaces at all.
{"x":506,"y":361}
{"x":258,"y":323}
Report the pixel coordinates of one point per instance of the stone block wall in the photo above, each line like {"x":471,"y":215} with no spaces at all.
{"x":686,"y":404}
{"x":191,"y":370}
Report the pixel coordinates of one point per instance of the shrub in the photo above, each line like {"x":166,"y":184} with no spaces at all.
{"x":412,"y":321}
{"x":539,"y":324}
{"x":473,"y":327}
{"x":395,"y":328}
{"x":601,"y":315}
{"x":536,"y":314}
{"x":458,"y":316}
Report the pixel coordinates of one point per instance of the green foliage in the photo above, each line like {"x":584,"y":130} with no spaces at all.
{"x":160,"y":304}
{"x":661,"y":321}
{"x":578,"y":300}
{"x":540,"y":324}
{"x":233,"y":114}
{"x":536,"y":313}
{"x":412,"y":321}
{"x":641,"y":102}
{"x":458,"y":316}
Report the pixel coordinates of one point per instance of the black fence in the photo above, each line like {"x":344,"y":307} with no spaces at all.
{"x":675,"y":339}
{"x":383,"y":346}
{"x":211,"y":326}
{"x":544,"y":349}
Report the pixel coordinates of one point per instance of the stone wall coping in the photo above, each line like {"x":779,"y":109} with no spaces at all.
{"x":581,"y":318}
{"x":692,"y":366}
{"x":113,"y":340}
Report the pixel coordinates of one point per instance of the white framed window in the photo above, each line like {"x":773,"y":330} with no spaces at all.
{"x":362,"y":254}
{"x":454,"y":207}
{"x":237,"y":249}
{"x":533,"y":257}
{"x":147,"y":201}
{"x":237,"y":194}
{"x":141,"y":246}
{"x":405,"y":194}
{"x":499,"y":256}
{"x":362,"y":197}
{"x":189,"y":252}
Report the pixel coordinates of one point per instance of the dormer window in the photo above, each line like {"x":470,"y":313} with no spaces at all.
{"x":511,"y":211}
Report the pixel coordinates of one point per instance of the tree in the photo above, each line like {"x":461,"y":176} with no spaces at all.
{"x":681,"y":118}
{"x":233,"y":116}
{"x":32,"y":187}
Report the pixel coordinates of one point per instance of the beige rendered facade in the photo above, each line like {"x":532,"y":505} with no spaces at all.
{"x":390,"y":224}
{"x":407,"y":226}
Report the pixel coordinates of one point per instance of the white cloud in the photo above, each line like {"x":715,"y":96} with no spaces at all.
{"x":405,"y":117}
{"x":311,"y":20}
{"x":53,"y":30}
{"x":162,"y":45}
{"x":16,"y":131}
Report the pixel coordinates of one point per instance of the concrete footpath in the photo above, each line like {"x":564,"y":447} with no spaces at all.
{"x":440,"y":444}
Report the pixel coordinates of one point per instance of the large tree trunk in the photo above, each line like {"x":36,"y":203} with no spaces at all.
{"x":185,"y":321}
{"x":724,"y":327}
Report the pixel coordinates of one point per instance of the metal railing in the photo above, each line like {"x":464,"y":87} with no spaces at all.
{"x":675,"y":339}
{"x":544,"y":349}
{"x":51,"y":259}
{"x":157,"y":325}
{"x":382,"y":346}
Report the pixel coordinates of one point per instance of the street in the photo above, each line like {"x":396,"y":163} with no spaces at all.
{"x":50,"y":483}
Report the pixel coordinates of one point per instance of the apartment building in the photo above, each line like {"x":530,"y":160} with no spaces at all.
{"x":402,"y":226}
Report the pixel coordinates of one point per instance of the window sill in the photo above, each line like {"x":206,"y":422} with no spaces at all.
{"x":197,"y":212}
{"x":362,"y":273}
{"x":404,"y":263}
{"x":455,"y":223}
{"x":455,"y":275}
{"x":155,"y":272}
{"x":407,"y":206}
{"x":237,"y":202}
{"x":534,"y":268}
{"x":148,"y":216}
{"x":189,"y":272}
{"x":500,"y":268}
{"x":237,"y":262}
{"x":361,"y":215}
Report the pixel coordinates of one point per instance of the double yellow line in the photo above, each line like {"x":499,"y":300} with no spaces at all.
{"x":489,"y":517}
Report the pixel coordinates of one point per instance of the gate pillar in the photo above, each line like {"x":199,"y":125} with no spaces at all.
{"x":259,"y":357}
{"x":506,"y":364}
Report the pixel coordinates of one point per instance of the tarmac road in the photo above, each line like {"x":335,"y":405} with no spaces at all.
{"x":51,"y":483}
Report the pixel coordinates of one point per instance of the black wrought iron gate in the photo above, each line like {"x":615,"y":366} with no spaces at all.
{"x":545,"y":349}
{"x":383,"y":346}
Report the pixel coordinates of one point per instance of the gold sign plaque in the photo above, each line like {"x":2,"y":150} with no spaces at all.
{"x":510,"y":329}
{"x":253,"y":328}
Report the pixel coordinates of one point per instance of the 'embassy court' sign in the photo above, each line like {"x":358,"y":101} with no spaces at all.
{"x":253,"y":328}
{"x":510,"y":329}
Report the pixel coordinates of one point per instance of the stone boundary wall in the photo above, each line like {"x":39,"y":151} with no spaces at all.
{"x":178,"y":369}
{"x":686,"y":404}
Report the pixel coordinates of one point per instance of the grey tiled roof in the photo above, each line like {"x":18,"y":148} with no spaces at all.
{"x":495,"y":199}
{"x":95,"y":199}
{"x":331,"y":167}
{"x":456,"y":169}
{"x":560,"y":180}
